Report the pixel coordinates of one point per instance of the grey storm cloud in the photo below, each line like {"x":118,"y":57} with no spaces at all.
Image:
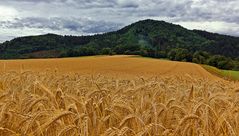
{"x":85,"y":3}
{"x":98,"y":16}
{"x":72,"y":24}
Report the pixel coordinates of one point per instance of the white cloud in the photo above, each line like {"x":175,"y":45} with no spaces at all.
{"x":7,"y":13}
{"x":213,"y":26}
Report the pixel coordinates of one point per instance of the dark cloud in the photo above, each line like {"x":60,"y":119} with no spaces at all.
{"x":80,"y":25}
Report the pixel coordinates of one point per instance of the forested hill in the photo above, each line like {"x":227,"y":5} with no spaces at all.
{"x":150,"y":38}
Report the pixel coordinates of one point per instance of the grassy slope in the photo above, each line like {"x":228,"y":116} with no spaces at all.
{"x":227,"y":74}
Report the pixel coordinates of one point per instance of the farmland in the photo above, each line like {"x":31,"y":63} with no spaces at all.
{"x":117,"y":66}
{"x":115,"y":95}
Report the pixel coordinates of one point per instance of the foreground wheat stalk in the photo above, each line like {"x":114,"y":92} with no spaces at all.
{"x":50,"y":104}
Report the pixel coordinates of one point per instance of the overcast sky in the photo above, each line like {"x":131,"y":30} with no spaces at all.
{"x":82,"y":17}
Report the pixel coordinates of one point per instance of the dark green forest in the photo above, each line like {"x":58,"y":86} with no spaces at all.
{"x":149,"y":38}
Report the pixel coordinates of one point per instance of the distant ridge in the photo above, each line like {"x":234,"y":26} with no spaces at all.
{"x":150,"y":38}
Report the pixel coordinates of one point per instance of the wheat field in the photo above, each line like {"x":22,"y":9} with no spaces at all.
{"x":118,"y":66}
{"x":56,"y":103}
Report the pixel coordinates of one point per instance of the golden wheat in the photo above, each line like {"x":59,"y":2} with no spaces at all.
{"x":48,"y":103}
{"x":56,"y":102}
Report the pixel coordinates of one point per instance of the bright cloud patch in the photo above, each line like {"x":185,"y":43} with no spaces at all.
{"x":7,"y":13}
{"x":213,"y":26}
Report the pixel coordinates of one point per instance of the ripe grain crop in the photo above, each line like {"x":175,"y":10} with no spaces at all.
{"x":48,"y":103}
{"x":119,"y":95}
{"x":118,"y":66}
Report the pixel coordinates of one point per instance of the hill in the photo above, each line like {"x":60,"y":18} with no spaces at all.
{"x":149,"y":38}
{"x":134,"y":66}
